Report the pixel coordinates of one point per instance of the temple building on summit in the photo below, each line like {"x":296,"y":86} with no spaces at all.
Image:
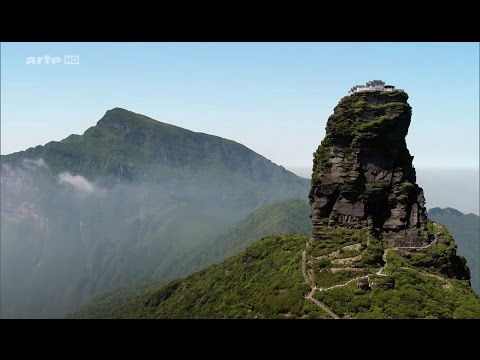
{"x":374,"y":85}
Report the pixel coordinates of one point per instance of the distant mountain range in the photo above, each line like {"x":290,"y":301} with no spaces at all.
{"x":127,"y":212}
{"x":372,"y":253}
{"x":465,"y":229}
{"x":283,"y":217}
{"x":119,"y":205}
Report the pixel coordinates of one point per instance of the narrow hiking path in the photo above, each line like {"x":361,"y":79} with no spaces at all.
{"x":338,"y":269}
{"x":435,"y":276}
{"x":415,"y":247}
{"x":381,"y":271}
{"x":321,"y":304}
{"x":304,"y":268}
{"x":313,"y":288}
{"x":435,"y":240}
{"x":346,"y":261}
{"x":343,"y":284}
{"x":309,"y":277}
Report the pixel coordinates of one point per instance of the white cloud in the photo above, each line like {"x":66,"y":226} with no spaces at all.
{"x":33,"y":164}
{"x":78,"y":182}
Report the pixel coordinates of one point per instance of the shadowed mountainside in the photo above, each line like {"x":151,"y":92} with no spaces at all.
{"x":120,"y":205}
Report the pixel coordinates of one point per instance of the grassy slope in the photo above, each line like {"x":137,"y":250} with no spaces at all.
{"x":283,"y":217}
{"x":266,"y":280}
{"x":263,"y":281}
{"x":103,"y":305}
{"x":289,"y":216}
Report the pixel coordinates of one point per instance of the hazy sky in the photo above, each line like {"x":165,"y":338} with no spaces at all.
{"x":274,"y":98}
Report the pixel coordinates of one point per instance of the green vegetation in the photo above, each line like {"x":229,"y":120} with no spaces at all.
{"x":356,"y":119}
{"x":102,"y":306}
{"x":398,"y":94}
{"x":124,"y":145}
{"x":321,"y":159}
{"x":401,"y":191}
{"x":350,"y":252}
{"x":403,"y":290}
{"x":405,"y":186}
{"x":322,"y":156}
{"x":414,"y":296}
{"x":373,"y":124}
{"x":266,"y":281}
{"x":345,"y":253}
{"x":441,"y":256}
{"x":342,"y":123}
{"x":160,"y":194}
{"x":290,"y":216}
{"x":465,"y":228}
{"x":335,"y":238}
{"x":347,"y":153}
{"x":327,"y":278}
{"x":192,"y":188}
{"x":284,"y":217}
{"x":405,"y":293}
{"x":372,"y":256}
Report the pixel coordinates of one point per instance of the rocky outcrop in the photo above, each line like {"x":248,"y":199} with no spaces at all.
{"x":362,"y":171}
{"x":363,"y":284}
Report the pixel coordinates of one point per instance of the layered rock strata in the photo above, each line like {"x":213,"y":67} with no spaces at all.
{"x":362,"y":171}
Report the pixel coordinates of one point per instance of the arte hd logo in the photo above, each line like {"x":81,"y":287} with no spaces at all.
{"x":53,"y":60}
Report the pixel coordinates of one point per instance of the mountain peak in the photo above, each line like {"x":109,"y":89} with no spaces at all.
{"x":120,"y":110}
{"x":119,"y":120}
{"x":363,"y":173}
{"x":436,"y":211}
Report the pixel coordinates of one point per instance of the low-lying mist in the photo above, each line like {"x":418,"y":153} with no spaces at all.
{"x":66,"y":239}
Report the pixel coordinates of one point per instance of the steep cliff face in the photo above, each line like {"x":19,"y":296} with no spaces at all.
{"x":362,"y":170}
